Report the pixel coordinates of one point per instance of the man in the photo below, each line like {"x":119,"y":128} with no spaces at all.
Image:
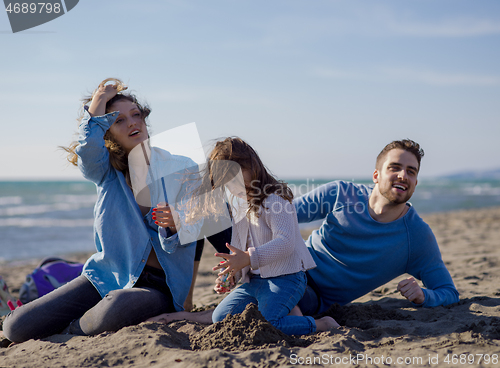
{"x":371,"y":235}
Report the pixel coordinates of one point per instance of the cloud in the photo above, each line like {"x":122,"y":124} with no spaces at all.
{"x":409,"y":75}
{"x":204,"y":94}
{"x":373,"y":20}
{"x":37,"y":98}
{"x":442,"y":78}
{"x":459,"y":27}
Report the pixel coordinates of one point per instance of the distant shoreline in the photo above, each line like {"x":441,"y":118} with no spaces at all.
{"x":305,"y":231}
{"x":491,"y":175}
{"x":46,"y":218}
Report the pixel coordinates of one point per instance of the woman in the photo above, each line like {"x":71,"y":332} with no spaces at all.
{"x":141,"y":268}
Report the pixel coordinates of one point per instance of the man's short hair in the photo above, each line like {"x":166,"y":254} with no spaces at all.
{"x":404,"y":144}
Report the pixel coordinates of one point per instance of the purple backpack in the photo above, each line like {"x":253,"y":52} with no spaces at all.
{"x":50,"y":274}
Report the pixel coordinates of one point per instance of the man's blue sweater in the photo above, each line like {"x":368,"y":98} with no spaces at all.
{"x":355,"y":254}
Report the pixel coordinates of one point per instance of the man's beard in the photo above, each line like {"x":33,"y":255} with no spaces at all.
{"x":396,"y":199}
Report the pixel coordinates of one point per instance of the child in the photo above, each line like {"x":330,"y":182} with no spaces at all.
{"x":267,"y":250}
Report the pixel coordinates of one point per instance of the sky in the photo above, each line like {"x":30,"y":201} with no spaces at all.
{"x":317,"y":87}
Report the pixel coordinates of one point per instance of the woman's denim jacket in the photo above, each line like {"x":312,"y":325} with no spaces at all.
{"x":123,"y":237}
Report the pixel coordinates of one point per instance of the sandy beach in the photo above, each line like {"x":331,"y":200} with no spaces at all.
{"x":379,"y":329}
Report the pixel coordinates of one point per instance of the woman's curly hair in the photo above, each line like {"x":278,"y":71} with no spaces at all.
{"x":117,"y":155}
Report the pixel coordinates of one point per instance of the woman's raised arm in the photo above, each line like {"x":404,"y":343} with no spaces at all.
{"x":104,"y":93}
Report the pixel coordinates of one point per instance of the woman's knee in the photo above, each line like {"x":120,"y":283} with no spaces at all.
{"x":52,"y":312}
{"x":132,"y":302}
{"x":114,"y":296}
{"x":134,"y":296}
{"x":115,"y":300}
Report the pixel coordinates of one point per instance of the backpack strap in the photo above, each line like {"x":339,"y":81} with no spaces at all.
{"x":53,"y":281}
{"x":49,"y":260}
{"x":53,"y":259}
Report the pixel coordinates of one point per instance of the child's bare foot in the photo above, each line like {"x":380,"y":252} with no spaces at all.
{"x":325,"y":324}
{"x":295,"y":311}
{"x":201,"y":317}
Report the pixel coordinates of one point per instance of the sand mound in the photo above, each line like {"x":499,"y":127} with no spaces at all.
{"x":246,"y":331}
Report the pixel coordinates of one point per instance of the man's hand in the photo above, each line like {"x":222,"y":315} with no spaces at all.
{"x":410,"y":290}
{"x":235,"y":261}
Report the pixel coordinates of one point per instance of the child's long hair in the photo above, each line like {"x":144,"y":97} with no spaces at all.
{"x":117,"y":155}
{"x":225,"y":160}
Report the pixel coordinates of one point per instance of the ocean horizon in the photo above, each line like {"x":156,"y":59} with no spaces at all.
{"x":54,"y":217}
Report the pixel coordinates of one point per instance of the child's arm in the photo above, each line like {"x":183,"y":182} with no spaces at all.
{"x":234,"y":262}
{"x":232,"y":265}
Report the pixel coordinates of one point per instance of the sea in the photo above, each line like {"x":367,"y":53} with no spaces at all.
{"x":51,"y":218}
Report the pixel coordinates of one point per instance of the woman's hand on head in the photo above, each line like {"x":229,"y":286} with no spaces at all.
{"x":108,"y":91}
{"x":102,"y":95}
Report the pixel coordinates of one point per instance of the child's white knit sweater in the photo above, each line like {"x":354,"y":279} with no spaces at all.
{"x":276,"y":248}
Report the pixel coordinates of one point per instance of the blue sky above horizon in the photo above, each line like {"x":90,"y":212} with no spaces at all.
{"x":316,"y":87}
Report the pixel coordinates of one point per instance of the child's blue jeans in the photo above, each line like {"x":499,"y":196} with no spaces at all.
{"x":275,"y":298}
